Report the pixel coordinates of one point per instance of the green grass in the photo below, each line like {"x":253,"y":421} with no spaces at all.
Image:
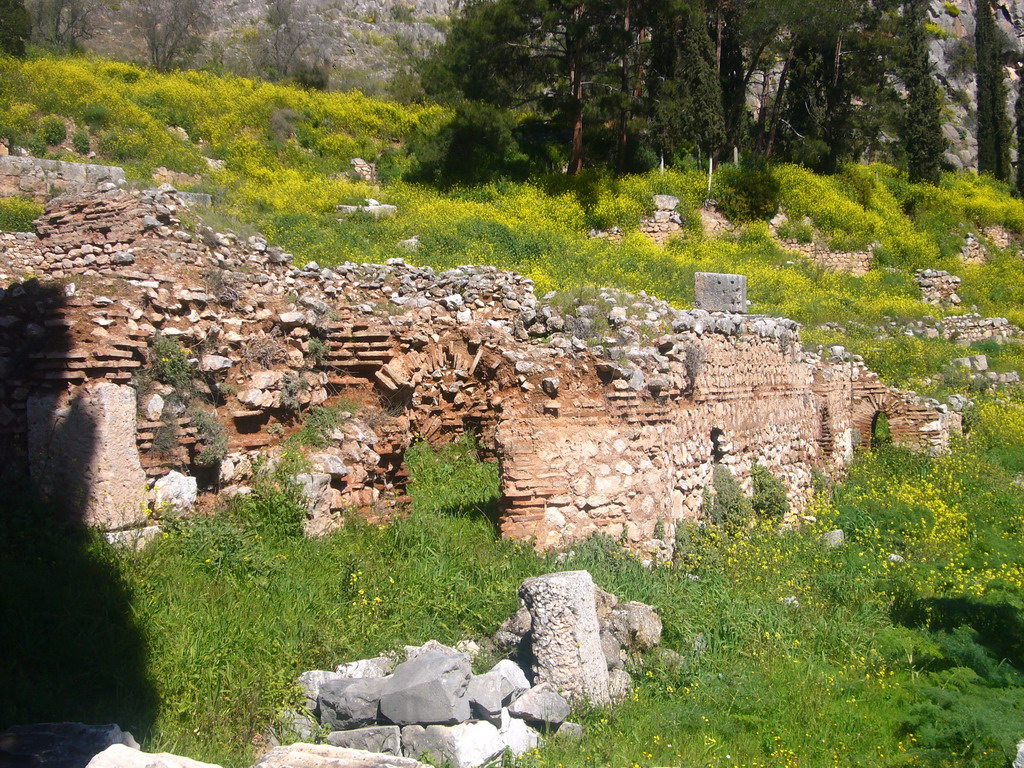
{"x":195,"y":643}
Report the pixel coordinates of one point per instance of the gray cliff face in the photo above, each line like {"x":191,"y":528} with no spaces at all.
{"x":954,"y":58}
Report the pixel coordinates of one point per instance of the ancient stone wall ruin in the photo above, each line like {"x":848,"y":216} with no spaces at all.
{"x":938,"y":286}
{"x":855,"y":262}
{"x":610,"y":428}
{"x":974,"y":327}
{"x":41,"y":179}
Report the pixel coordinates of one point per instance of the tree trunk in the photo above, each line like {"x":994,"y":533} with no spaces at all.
{"x":574,"y":49}
{"x":779,"y":96}
{"x":620,"y":153}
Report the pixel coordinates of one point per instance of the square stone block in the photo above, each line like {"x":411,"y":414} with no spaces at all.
{"x":718,"y":292}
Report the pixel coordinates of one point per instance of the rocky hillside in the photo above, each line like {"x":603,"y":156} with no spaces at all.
{"x":953,"y":51}
{"x":363,"y":42}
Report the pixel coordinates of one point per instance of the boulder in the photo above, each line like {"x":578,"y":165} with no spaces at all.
{"x":325,"y":756}
{"x":346,"y":704}
{"x":211,"y":363}
{"x":514,"y":629}
{"x":412,"y":651}
{"x":565,"y":635}
{"x":620,"y":684}
{"x":636,"y":625}
{"x":1018,"y":762}
{"x":311,"y":682}
{"x":465,"y":745}
{"x":509,"y":679}
{"x":175,"y":491}
{"x":429,"y":688}
{"x":59,"y":745}
{"x":542,"y":705}
{"x":516,"y":735}
{"x":836,"y":538}
{"x":484,"y":697}
{"x":122,"y":756}
{"x":569,"y":730}
{"x":378,"y":666}
{"x":133,"y":538}
{"x":380,"y":738}
{"x":154,"y":407}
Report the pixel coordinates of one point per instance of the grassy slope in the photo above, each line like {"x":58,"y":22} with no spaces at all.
{"x":195,"y":642}
{"x":284,"y":150}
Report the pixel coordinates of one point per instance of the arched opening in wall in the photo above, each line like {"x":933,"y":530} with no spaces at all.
{"x":881,"y":435}
{"x":717,"y":445}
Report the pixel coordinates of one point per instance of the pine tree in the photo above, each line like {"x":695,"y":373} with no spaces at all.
{"x":993,"y":121}
{"x":685,"y":91}
{"x":15,"y":27}
{"x":1019,"y":115}
{"x":922,"y":113}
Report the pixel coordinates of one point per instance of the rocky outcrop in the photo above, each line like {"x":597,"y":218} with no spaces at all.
{"x":121,"y":756}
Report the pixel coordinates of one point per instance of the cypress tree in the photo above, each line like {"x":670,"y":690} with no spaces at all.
{"x":993,"y":121}
{"x":685,"y":91}
{"x":1019,"y":115}
{"x":922,"y":112}
{"x":15,"y":27}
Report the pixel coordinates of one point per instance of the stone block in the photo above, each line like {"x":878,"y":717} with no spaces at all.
{"x":430,"y":688}
{"x":516,"y":735}
{"x":718,"y":292}
{"x":565,"y":635}
{"x":121,"y":756}
{"x":326,"y":756}
{"x":82,"y":451}
{"x":346,"y":704}
{"x":466,"y":745}
{"x":386,"y":739}
{"x":542,"y":705}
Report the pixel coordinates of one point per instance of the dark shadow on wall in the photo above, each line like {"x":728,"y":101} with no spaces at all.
{"x":70,"y":649}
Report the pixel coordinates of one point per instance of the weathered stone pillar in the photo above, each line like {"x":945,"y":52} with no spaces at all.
{"x":83,"y":456}
{"x":566,"y":636}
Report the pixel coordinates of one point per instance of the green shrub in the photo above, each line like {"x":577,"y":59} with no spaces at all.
{"x":212,"y":438}
{"x":477,"y":146}
{"x":37,"y":145}
{"x":769,"y":500}
{"x":796,"y":230}
{"x":123,"y":145}
{"x":17,"y":214}
{"x":169,"y":363}
{"x":80,"y":141}
{"x":319,"y":421}
{"x":52,"y":130}
{"x":748,"y":193}
{"x":727,"y":505}
{"x":96,"y":116}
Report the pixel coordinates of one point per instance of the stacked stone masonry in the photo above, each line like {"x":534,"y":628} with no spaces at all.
{"x":855,"y":262}
{"x":595,"y":432}
{"x":40,"y":179}
{"x":938,"y":286}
